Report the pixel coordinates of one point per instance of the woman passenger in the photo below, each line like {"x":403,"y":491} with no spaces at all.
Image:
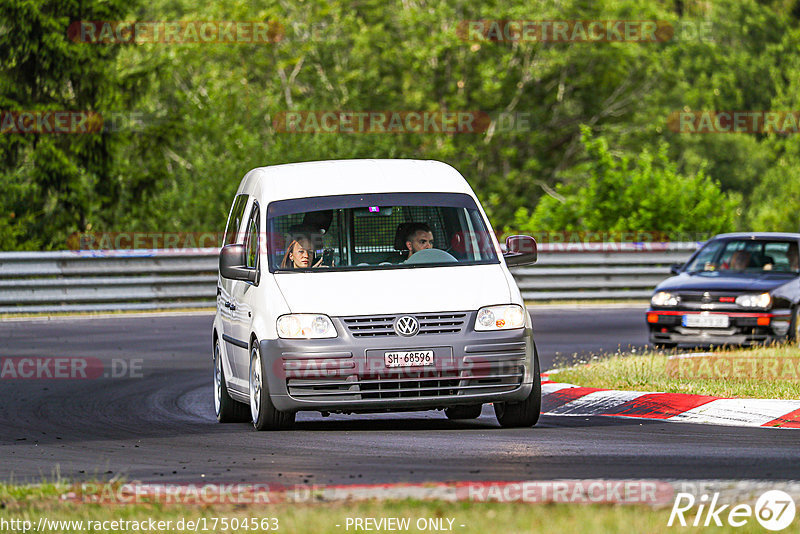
{"x":299,"y":255}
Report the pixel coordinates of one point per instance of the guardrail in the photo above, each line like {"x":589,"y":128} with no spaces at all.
{"x":595,"y":271}
{"x":186,"y":278}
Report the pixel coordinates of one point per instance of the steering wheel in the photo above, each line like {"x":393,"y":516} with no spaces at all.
{"x":430,"y":255}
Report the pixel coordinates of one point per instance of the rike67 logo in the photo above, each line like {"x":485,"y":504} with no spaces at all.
{"x":774,"y":510}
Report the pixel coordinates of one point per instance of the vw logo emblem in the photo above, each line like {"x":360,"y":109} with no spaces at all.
{"x":406,"y":326}
{"x":706,"y":297}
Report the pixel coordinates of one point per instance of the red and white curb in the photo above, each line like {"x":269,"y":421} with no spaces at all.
{"x":570,"y":400}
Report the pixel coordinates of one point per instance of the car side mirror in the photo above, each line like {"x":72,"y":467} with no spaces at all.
{"x":232,"y":264}
{"x":675,"y":268}
{"x":520,"y":250}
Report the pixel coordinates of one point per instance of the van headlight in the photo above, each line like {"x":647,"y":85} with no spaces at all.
{"x":662,"y":298}
{"x":305,"y":326}
{"x":503,"y":317}
{"x":754,"y":301}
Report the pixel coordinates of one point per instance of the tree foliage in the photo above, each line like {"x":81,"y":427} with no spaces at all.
{"x":626,"y":195}
{"x":207,"y":111}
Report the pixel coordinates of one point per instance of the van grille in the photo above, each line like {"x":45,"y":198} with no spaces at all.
{"x":381,"y":325}
{"x":434,"y":383}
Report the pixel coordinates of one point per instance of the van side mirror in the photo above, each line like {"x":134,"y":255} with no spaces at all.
{"x":232,"y":264}
{"x":520,"y":250}
{"x":675,"y":268}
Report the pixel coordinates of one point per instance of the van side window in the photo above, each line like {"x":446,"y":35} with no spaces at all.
{"x":235,"y":220}
{"x":251,"y":240}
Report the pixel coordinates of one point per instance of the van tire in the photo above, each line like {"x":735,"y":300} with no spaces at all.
{"x":227,"y":409}
{"x":525,"y":413}
{"x":262,"y":412}
{"x":464,"y":412}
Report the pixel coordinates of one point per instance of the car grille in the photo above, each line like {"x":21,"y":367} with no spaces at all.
{"x":694,"y":300}
{"x":381,"y":325}
{"x":405,"y":385}
{"x":334,"y":376}
{"x":698,"y":297}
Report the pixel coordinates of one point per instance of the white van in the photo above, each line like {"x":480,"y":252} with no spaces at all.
{"x":361,"y":286}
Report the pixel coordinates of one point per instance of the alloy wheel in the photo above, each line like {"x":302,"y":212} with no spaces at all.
{"x":255,"y":383}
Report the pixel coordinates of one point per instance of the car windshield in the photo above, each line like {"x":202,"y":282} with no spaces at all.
{"x":747,"y":256}
{"x":376,"y":231}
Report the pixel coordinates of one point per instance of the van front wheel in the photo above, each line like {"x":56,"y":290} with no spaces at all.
{"x":525,"y":413}
{"x":265,"y":415}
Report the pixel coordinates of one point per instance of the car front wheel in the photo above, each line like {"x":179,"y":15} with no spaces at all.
{"x":264,"y":414}
{"x":226,"y":409}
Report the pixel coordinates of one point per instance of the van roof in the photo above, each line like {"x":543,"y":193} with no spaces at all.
{"x":353,"y":176}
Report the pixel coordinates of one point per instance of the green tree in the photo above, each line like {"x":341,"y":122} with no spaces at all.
{"x":208,"y":108}
{"x":625,"y":194}
{"x":52,"y":185}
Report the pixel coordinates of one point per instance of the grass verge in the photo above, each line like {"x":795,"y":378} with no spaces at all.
{"x":717,"y":376}
{"x":30,"y":503}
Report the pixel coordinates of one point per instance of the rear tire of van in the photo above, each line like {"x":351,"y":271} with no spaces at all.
{"x":263,"y":413}
{"x":464,"y":412}
{"x":525,"y":413}
{"x":227,"y":409}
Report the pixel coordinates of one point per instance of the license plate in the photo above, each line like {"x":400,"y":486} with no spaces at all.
{"x":699,"y":320}
{"x":409,"y":358}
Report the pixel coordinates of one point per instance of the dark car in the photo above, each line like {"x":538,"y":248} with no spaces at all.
{"x":738,"y":289}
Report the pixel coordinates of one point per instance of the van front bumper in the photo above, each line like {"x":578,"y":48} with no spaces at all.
{"x":349,"y":373}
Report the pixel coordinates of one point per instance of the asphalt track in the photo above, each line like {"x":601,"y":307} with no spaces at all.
{"x":158,"y":425}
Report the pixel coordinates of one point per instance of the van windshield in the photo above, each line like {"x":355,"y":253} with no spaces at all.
{"x":376,"y":231}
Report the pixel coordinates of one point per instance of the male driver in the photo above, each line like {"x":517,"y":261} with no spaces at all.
{"x":419,"y":237}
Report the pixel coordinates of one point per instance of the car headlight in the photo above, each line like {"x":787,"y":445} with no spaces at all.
{"x":662,"y":298}
{"x":503,"y":317}
{"x":754,"y":301}
{"x":305,"y":326}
